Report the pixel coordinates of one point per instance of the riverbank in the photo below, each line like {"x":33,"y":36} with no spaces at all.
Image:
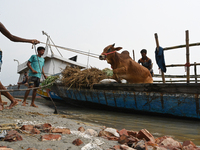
{"x":41,"y":129}
{"x":26,"y":115}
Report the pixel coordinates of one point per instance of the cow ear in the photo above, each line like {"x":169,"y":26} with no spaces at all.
{"x":113,"y":45}
{"x":118,"y":48}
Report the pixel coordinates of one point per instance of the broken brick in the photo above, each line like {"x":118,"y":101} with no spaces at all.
{"x":35,"y":131}
{"x":27,"y":128}
{"x":116,"y":147}
{"x":108,"y":135}
{"x":77,"y":142}
{"x":50,"y":137}
{"x":5,"y":103}
{"x":31,"y":149}
{"x":81,"y":129}
{"x":61,"y":130}
{"x":146,"y":135}
{"x":123,"y":139}
{"x":43,"y":126}
{"x":133,"y":133}
{"x":13,"y":135}
{"x":125,"y":147}
{"x":168,"y":142}
{"x":123,"y":131}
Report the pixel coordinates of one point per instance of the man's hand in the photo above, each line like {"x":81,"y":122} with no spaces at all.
{"x":45,"y":76}
{"x":35,"y":72}
{"x":35,"y":42}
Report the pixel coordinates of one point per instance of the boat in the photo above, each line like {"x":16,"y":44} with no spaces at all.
{"x":166,"y":99}
{"x":52,"y":66}
{"x":157,"y":98}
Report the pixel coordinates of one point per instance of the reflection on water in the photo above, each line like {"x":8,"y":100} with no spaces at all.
{"x":179,"y":129}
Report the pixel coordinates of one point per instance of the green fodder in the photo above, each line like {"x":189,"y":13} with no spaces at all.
{"x":48,"y":82}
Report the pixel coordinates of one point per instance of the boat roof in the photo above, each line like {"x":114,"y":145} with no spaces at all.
{"x":22,"y":67}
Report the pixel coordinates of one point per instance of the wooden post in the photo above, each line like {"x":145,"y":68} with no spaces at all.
{"x":195,"y":72}
{"x":187,"y":56}
{"x":133,"y":55}
{"x":157,"y":45}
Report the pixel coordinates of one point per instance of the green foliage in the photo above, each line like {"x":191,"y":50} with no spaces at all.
{"x":49,"y":81}
{"x":108,"y":72}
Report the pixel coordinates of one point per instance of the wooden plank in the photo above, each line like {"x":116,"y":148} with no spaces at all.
{"x":179,"y":88}
{"x":157,"y":45}
{"x":187,"y":56}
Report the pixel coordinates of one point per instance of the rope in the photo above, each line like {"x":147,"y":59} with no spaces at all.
{"x":12,"y":90}
{"x":74,"y":50}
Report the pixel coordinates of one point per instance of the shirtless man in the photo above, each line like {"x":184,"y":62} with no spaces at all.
{"x":13,"y":38}
{"x":146,"y":61}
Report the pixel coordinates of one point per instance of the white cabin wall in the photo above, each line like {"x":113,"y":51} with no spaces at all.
{"x":21,"y":77}
{"x":54,"y":66}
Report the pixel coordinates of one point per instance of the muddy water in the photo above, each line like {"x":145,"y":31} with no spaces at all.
{"x":179,"y":129}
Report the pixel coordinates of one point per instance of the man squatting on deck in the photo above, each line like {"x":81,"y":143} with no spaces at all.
{"x":146,"y":61}
{"x":13,"y":38}
{"x":35,"y":65}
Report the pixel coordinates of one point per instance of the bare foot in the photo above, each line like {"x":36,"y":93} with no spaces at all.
{"x":33,"y":105}
{"x":1,"y":106}
{"x":24,"y":103}
{"x":19,"y":100}
{"x":12,"y":105}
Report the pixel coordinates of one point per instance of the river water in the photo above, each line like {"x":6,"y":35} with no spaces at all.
{"x":180,"y":129}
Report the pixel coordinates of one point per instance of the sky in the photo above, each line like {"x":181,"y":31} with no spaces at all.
{"x":91,"y":25}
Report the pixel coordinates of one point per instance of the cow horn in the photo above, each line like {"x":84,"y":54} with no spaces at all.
{"x":113,"y":45}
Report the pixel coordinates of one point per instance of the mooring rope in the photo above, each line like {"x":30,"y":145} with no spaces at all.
{"x":12,"y":90}
{"x":74,"y":50}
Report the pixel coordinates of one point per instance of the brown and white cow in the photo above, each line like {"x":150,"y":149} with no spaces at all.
{"x":124,"y":67}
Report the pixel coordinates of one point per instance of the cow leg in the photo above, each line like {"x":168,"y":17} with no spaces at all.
{"x":115,"y":76}
{"x":121,"y":70}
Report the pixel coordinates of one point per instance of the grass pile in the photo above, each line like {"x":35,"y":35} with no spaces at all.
{"x":77,"y":78}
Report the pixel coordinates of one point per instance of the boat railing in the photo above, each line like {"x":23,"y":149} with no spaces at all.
{"x":188,"y":77}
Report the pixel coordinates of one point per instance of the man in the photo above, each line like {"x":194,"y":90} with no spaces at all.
{"x":13,"y":38}
{"x":145,"y":61}
{"x":24,"y":81}
{"x":35,"y":64}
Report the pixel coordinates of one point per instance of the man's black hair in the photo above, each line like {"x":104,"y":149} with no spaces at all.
{"x":143,"y":51}
{"x":40,"y":48}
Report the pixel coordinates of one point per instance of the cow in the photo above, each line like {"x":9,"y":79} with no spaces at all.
{"x":124,"y":67}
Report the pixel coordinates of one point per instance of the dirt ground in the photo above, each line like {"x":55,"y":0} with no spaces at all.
{"x":22,"y":115}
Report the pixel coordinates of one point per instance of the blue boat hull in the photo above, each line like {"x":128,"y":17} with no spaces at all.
{"x":180,"y":105}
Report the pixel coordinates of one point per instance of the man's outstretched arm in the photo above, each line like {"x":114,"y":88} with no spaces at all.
{"x":14,"y":38}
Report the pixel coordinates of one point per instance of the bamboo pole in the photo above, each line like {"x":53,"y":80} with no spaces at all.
{"x":179,"y":65}
{"x":187,"y":56}
{"x":176,"y":76}
{"x":157,"y":45}
{"x":180,"y":46}
{"x":133,"y":55}
{"x":195,"y":72}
